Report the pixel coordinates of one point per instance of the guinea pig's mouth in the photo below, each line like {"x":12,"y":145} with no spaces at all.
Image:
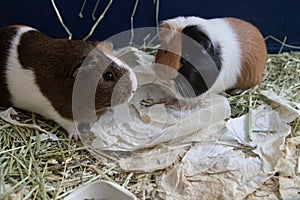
{"x":101,"y":111}
{"x":131,"y":95}
{"x":124,"y":99}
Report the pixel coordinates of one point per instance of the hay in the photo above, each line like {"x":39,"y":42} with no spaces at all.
{"x":44,"y":169}
{"x":102,"y":15}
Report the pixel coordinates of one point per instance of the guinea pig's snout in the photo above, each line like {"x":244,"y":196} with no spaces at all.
{"x":125,"y":88}
{"x":133,"y":81}
{"x":164,"y":71}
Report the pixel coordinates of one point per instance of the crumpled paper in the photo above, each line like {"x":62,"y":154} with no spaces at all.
{"x":129,"y":129}
{"x":234,"y":167}
{"x":288,"y":110}
{"x":289,"y":169}
{"x":6,"y":115}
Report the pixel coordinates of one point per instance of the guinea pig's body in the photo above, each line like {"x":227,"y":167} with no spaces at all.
{"x":211,"y":55}
{"x":37,"y":73}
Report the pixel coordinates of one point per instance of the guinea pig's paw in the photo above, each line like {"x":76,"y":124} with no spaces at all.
{"x":173,"y":103}
{"x":188,"y":104}
{"x":234,"y":92}
{"x":168,"y":100}
{"x":185,"y":106}
{"x":182,"y":104}
{"x":75,"y":135}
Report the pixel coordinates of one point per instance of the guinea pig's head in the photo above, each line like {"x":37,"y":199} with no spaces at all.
{"x":167,"y":61}
{"x":188,"y":56}
{"x":112,"y":81}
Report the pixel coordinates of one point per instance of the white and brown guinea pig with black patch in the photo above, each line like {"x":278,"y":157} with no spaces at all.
{"x":210,"y":55}
{"x":37,"y":74}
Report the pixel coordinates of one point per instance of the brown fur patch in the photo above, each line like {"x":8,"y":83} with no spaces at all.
{"x":167,"y":61}
{"x":17,"y":26}
{"x":253,"y":53}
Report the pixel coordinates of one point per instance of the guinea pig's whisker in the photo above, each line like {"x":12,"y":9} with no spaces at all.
{"x":182,"y":89}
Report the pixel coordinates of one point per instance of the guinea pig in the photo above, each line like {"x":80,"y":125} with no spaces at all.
{"x":38,"y":73}
{"x":210,"y":55}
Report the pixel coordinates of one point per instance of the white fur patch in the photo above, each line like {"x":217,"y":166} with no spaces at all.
{"x":221,"y":32}
{"x":132,"y":75}
{"x":23,"y":89}
{"x":133,"y":79}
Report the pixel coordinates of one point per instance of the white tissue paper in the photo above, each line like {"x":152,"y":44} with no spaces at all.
{"x":289,"y":180}
{"x":233,"y":166}
{"x":236,"y":168}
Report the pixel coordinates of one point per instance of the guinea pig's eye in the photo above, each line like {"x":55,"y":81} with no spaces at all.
{"x":108,"y":76}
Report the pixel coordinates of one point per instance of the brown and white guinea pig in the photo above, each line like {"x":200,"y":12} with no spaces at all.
{"x":37,"y":74}
{"x":210,"y":54}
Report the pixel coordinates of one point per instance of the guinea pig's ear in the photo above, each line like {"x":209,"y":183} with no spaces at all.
{"x":164,"y":29}
{"x":106,"y":46}
{"x":165,"y":25}
{"x":75,"y":69}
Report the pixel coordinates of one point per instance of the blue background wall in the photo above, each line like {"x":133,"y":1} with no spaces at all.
{"x":278,"y":17}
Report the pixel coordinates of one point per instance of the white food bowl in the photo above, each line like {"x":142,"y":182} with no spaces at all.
{"x":101,"y":190}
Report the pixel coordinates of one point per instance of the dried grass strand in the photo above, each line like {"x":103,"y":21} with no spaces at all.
{"x":61,"y":20}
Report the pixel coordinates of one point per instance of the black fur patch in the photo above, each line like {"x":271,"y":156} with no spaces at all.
{"x":200,"y":62}
{"x":6,"y":35}
{"x":197,"y":34}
